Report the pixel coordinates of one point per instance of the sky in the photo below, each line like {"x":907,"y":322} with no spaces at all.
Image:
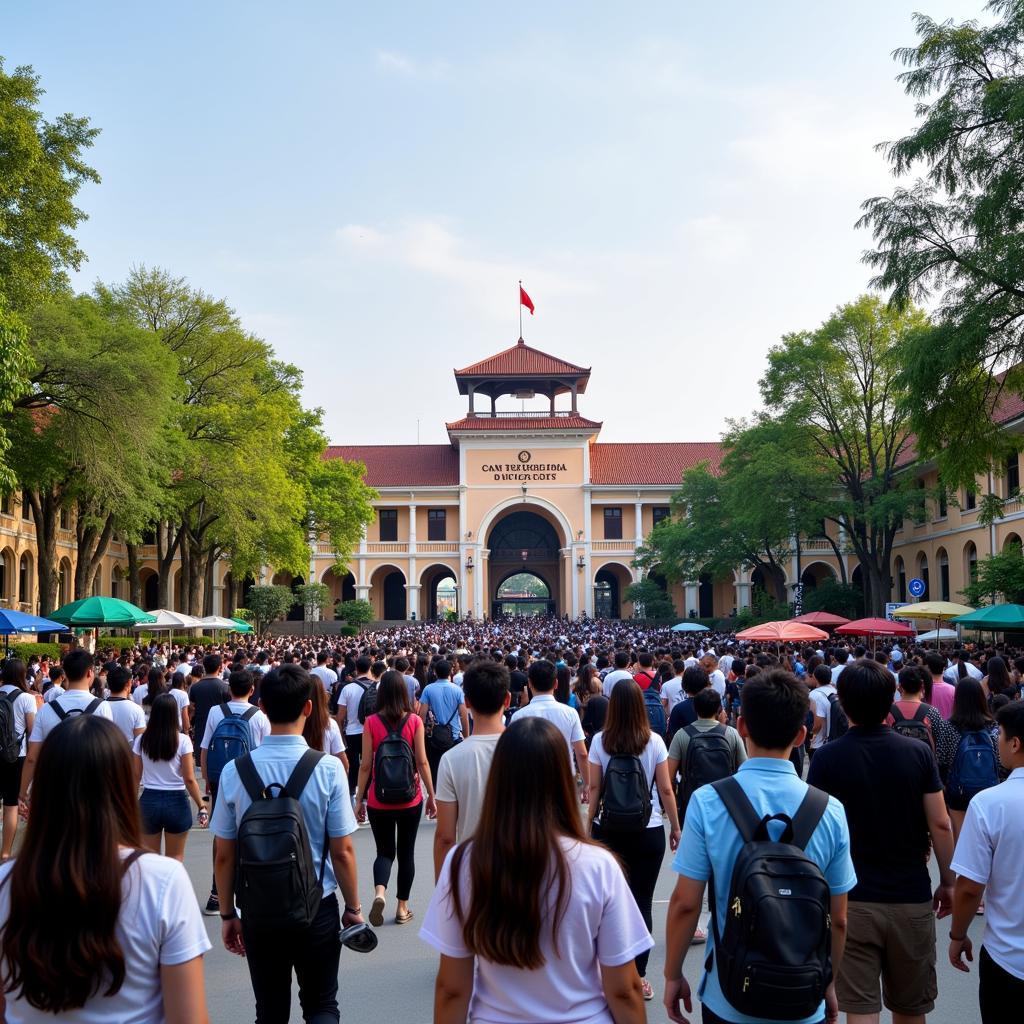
{"x":676,"y":184}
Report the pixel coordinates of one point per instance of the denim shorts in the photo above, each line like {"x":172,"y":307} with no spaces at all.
{"x":165,"y":810}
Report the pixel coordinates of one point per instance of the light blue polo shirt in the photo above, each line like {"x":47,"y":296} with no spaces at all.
{"x":444,"y":698}
{"x":711,"y":843}
{"x":325,"y":797}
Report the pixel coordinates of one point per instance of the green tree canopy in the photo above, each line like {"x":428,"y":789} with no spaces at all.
{"x":998,"y":577}
{"x":267,"y":604}
{"x":650,"y":601}
{"x":356,"y":613}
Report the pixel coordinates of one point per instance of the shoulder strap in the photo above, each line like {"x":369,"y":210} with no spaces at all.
{"x":897,"y":713}
{"x":719,"y":730}
{"x":246,"y":769}
{"x":301,"y":773}
{"x":363,"y":686}
{"x":399,"y":729}
{"x":453,"y":714}
{"x":808,"y":814}
{"x":60,"y":712}
{"x":93,"y":705}
{"x":225,"y":710}
{"x":249,"y":713}
{"x":740,"y":809}
{"x":691,"y":730}
{"x":11,"y":695}
{"x":131,"y":859}
{"x":921,"y":713}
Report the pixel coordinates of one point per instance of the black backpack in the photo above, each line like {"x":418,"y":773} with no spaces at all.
{"x":10,"y":741}
{"x":367,"y":703}
{"x":442,"y":737}
{"x":626,"y":804}
{"x":394,"y":767}
{"x":87,"y":710}
{"x":277,"y":884}
{"x":709,"y":757}
{"x":775,"y":949}
{"x":838,"y":723}
{"x":916,"y":728}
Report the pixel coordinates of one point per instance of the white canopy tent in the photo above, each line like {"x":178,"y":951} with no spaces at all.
{"x":166,"y":620}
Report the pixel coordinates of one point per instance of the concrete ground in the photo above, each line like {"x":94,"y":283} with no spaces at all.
{"x":395,"y":982}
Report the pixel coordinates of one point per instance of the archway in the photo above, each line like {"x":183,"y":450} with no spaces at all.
{"x":705,"y":596}
{"x":901,"y":579}
{"x":943,"y":559}
{"x":342,"y":588}
{"x":26,"y":580}
{"x":815,"y":574}
{"x":523,"y":593}
{"x":767,"y":585}
{"x":97,"y":583}
{"x":610,"y":584}
{"x":7,"y":576}
{"x":387,"y":593}
{"x":63,"y":583}
{"x":525,"y":540}
{"x":150,"y":589}
{"x":1012,"y":540}
{"x":117,"y":583}
{"x":922,"y":573}
{"x":438,"y":592}
{"x":970,"y":562}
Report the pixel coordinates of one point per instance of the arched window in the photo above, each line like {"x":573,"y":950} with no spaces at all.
{"x":25,"y":579}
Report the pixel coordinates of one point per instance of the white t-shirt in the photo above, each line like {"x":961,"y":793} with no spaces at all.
{"x":182,"y":698}
{"x":70,"y":701}
{"x":601,"y":925}
{"x":462,"y":779}
{"x":613,"y":677}
{"x":672,"y":693}
{"x":24,"y":704}
{"x":990,"y":851}
{"x":544,"y":705}
{"x":127,"y":716}
{"x":259,"y":724}
{"x":139,"y":693}
{"x":717,"y":680}
{"x":654,"y":753}
{"x":326,"y":675}
{"x":159,"y":924}
{"x":164,"y":775}
{"x":333,"y":742}
{"x":952,"y":674}
{"x":351,"y":694}
{"x":53,"y":693}
{"x":821,"y":708}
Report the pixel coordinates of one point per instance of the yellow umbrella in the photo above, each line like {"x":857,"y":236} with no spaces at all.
{"x":941,"y":610}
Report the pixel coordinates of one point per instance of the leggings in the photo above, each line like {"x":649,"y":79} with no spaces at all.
{"x":385,"y":825}
{"x":354,"y":752}
{"x":641,"y":854}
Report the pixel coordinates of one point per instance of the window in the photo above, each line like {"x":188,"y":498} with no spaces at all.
{"x":901,"y":581}
{"x":613,"y":524}
{"x":943,"y":502}
{"x":26,"y":507}
{"x":437,"y":524}
{"x":970,"y":500}
{"x":25,"y":579}
{"x":661,"y":513}
{"x":1012,"y":474}
{"x":65,"y":519}
{"x":388,"y":524}
{"x":7,"y":505}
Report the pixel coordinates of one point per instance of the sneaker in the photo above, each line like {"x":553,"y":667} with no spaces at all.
{"x":212,"y":906}
{"x":648,"y":992}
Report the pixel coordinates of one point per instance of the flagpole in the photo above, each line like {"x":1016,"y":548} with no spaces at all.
{"x":520,"y":309}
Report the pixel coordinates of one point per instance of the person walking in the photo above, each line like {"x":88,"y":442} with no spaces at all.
{"x":126,"y":714}
{"x":349,"y":699}
{"x":987,"y":860}
{"x":16,"y":721}
{"x":93,"y":927}
{"x":443,"y":712}
{"x":533,"y":921}
{"x":630,"y":782}
{"x":394,"y":735}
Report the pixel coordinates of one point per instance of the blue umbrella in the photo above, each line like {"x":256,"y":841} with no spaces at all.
{"x":18,"y":622}
{"x":689,"y":627}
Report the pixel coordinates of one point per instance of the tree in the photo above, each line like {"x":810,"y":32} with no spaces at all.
{"x":355,"y":613}
{"x":267,"y":604}
{"x":835,"y":597}
{"x":955,"y":236}
{"x":999,"y":575}
{"x":650,"y":601}
{"x":314,"y":598}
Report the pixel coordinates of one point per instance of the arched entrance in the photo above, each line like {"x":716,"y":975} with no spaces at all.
{"x":610,"y":584}
{"x":706,"y":596}
{"x":150,"y":589}
{"x":438,"y":592}
{"x":342,"y":588}
{"x":815,"y":574}
{"x":525,"y":542}
{"x":387,"y":593}
{"x":523,"y":593}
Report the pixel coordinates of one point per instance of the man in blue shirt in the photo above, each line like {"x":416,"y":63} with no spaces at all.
{"x":774,"y":707}
{"x":447,"y":703}
{"x":286,"y":698}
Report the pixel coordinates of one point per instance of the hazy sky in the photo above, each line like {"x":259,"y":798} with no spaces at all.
{"x":675,"y":183}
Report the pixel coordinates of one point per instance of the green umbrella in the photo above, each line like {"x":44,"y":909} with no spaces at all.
{"x":243,"y":626}
{"x":101,"y":611}
{"x":996,"y":617}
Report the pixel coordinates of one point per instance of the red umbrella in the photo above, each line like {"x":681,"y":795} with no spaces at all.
{"x":876,"y":627}
{"x":793,"y":632}
{"x":823,"y":620}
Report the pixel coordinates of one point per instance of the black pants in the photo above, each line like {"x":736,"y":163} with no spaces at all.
{"x":641,"y":854}
{"x":313,"y":953}
{"x":213,"y":803}
{"x":354,"y":752}
{"x":394,"y":832}
{"x":710,"y":1017}
{"x":1000,"y":993}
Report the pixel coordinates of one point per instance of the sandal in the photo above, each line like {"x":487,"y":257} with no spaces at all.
{"x":377,"y":911}
{"x":405,"y":918}
{"x":645,"y":987}
{"x":699,"y":937}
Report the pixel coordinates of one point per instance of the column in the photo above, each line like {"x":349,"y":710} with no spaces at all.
{"x":312,"y":577}
{"x":479,"y":560}
{"x":742,"y":596}
{"x":412,"y":529}
{"x":692,"y":599}
{"x":412,"y":600}
{"x":638,"y":511}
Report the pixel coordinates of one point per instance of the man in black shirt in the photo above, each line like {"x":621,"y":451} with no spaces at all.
{"x":683,"y":714}
{"x":517,"y":678}
{"x":890,"y":788}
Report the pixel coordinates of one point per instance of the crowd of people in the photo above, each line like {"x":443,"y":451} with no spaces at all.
{"x":803,"y":794}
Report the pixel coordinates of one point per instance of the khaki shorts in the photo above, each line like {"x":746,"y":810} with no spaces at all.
{"x":894,"y":942}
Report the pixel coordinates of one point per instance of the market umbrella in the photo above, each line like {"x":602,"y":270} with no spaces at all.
{"x":939,"y":634}
{"x":823,"y":620}
{"x":217,"y":622}
{"x":997,"y":617}
{"x":795,"y":632}
{"x":241,"y":626}
{"x":18,"y":622}
{"x":941,"y":611}
{"x":165,"y":619}
{"x":876,"y":627}
{"x":101,"y":611}
{"x":689,"y":627}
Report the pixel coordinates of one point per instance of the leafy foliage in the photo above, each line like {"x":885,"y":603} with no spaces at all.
{"x":314,"y":598}
{"x":268,"y":604}
{"x":998,"y":577}
{"x":356,"y":612}
{"x":835,"y":597}
{"x":650,"y":601}
{"x":43,"y":650}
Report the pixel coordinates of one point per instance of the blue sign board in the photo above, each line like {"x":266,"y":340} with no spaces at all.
{"x":916,"y":588}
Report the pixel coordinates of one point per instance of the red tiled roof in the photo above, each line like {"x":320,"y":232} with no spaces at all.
{"x":650,"y":463}
{"x":524,"y":423}
{"x":403,"y":465}
{"x":522,"y":361}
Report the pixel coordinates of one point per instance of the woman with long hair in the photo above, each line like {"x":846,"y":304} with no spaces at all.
{"x":321,"y":730}
{"x":163,"y":762}
{"x":394,"y":825}
{"x":533,"y":921}
{"x":591,"y":703}
{"x":998,"y":679}
{"x":627,"y":734}
{"x":90,"y":929}
{"x":180,"y":694}
{"x":23,"y":707}
{"x":563,"y":691}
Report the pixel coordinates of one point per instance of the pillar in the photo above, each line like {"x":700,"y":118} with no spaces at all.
{"x":412,"y":600}
{"x":692,"y":599}
{"x":638,"y":512}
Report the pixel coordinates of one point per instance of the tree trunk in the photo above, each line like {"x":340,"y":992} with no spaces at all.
{"x":134,"y":583}
{"x":46,"y":513}
{"x":168,"y":541}
{"x":92,"y":545}
{"x":208,"y":586}
{"x":196,"y":579}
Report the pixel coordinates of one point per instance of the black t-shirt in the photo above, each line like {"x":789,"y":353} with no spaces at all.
{"x":205,"y":694}
{"x":683,"y":714}
{"x":517,"y":681}
{"x":881,"y":778}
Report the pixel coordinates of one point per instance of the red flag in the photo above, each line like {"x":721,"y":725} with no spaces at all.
{"x":525,"y":300}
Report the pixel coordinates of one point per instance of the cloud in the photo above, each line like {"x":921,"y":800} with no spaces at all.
{"x":392,"y":62}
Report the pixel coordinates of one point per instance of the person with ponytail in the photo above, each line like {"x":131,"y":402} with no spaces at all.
{"x":533,"y":920}
{"x":93,"y":929}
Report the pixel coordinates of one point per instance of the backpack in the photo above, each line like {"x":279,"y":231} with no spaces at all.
{"x":335,"y":698}
{"x":277,"y":883}
{"x":442,"y":737}
{"x":230,"y":740}
{"x":367,"y":702}
{"x":394,"y":767}
{"x":916,"y":728}
{"x":775,"y":949}
{"x":838,"y":723}
{"x":626,"y":804}
{"x":87,"y":710}
{"x":655,"y":712}
{"x":10,"y":741}
{"x":648,"y":678}
{"x":974,"y":765}
{"x":709,"y":758}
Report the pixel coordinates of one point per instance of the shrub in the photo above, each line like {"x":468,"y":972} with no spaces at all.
{"x":348,"y":631}
{"x":355,"y":613}
{"x":25,"y":651}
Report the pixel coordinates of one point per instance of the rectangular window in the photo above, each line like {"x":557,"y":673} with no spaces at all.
{"x":970,"y":501}
{"x":7,"y":505}
{"x":613,"y":524}
{"x":388,"y":524}
{"x":1012,"y":474}
{"x":661,"y":513}
{"x":26,"y":507}
{"x":65,"y":519}
{"x":943,"y":502}
{"x":437,"y":524}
